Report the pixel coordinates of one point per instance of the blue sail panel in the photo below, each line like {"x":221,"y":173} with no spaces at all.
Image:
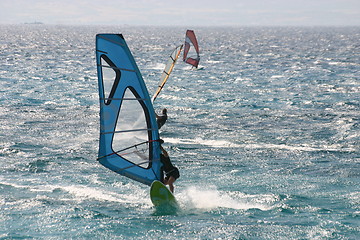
{"x":128,"y":131}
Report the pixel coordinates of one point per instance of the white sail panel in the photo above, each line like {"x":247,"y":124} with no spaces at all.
{"x":167,"y":71}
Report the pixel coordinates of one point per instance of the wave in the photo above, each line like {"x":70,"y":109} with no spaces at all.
{"x":229,"y":144}
{"x":82,"y":193}
{"x":157,"y":66}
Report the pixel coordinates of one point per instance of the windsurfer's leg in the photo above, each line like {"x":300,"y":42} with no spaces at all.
{"x":170,"y":182}
{"x":165,"y":180}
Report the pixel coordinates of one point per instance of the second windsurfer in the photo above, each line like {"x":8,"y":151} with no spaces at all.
{"x":161,"y":119}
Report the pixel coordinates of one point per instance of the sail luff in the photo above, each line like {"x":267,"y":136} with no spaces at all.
{"x":191,"y":35}
{"x":167,"y":71}
{"x":186,"y":48}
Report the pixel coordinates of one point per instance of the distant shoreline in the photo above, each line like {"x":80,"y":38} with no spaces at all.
{"x":34,"y":23}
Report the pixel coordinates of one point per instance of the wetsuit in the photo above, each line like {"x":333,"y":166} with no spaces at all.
{"x":161,"y":120}
{"x":168,"y":168}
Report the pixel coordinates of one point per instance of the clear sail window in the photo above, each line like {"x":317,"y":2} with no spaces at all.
{"x":110,"y":76}
{"x":131,"y":133}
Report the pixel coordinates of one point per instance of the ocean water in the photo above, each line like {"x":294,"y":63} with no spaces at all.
{"x":266,"y":135}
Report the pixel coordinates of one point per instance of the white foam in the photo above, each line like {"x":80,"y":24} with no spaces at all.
{"x":211,"y":198}
{"x":83,"y":193}
{"x":302,"y":147}
{"x":354,"y":197}
{"x":277,"y":76}
{"x":212,"y":143}
{"x":228,"y":144}
{"x":214,"y":61}
{"x":157,"y":66}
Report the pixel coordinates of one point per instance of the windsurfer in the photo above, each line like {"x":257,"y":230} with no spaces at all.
{"x":172,"y":172}
{"x":161,"y":119}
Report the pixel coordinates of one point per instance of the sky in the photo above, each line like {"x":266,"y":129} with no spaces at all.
{"x":183,"y":12}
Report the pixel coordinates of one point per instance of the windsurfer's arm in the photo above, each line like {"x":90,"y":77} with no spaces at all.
{"x":164,"y":151}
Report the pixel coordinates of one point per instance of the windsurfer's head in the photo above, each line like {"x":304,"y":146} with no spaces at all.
{"x":164,"y":111}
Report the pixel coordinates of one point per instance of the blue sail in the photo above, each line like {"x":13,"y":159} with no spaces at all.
{"x":129,"y":136}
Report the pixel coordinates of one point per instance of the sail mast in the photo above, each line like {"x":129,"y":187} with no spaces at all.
{"x":167,"y":71}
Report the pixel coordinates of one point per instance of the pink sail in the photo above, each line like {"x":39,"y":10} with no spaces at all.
{"x":194,"y":57}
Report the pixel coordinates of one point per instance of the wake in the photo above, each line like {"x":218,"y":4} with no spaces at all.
{"x":193,"y":197}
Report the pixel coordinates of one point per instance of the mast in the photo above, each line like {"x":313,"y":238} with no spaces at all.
{"x":167,"y":71}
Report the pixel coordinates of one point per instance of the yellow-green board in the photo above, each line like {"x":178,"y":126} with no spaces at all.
{"x":161,"y":195}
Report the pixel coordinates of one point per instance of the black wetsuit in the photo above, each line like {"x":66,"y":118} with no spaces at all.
{"x":161,"y":120}
{"x":168,"y":168}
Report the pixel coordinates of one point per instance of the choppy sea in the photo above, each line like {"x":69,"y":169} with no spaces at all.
{"x":266,"y":135}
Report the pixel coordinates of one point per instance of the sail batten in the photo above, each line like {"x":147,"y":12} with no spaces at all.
{"x":123,"y":69}
{"x":122,"y":169}
{"x":122,"y":150}
{"x":111,"y":39}
{"x":128,"y":130}
{"x":122,"y":98}
{"x":101,"y":51}
{"x":131,"y":130}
